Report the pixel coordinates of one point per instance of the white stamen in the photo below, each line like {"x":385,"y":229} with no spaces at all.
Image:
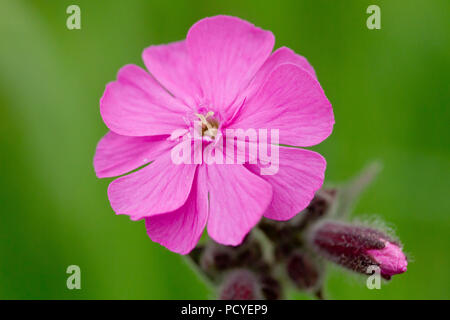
{"x":211,"y":130}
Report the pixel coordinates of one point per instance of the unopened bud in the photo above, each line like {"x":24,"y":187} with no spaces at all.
{"x":317,"y":209}
{"x":217,"y":258}
{"x":302,"y":270}
{"x":391,"y":259}
{"x":240,"y":285}
{"x":271,"y":288}
{"x":357,"y":248}
{"x":196,"y":254}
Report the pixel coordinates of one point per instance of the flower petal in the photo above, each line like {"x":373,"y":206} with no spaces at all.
{"x":136,"y":105}
{"x":300,"y":174}
{"x":281,"y":56}
{"x":391,"y":259}
{"x":171,"y":66}
{"x":293,"y":102}
{"x":158,"y":188}
{"x":238,"y":200}
{"x":226,"y":52}
{"x":116,"y":154}
{"x":180,"y":230}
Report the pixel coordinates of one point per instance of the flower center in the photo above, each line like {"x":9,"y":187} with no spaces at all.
{"x":209,"y":125}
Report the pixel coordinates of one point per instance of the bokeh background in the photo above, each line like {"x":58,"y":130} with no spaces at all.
{"x":390,"y":93}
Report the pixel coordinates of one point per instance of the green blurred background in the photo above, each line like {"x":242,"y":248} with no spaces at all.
{"x":390,"y":93}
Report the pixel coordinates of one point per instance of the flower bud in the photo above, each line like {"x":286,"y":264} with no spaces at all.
{"x":217,"y":258}
{"x":240,"y":285}
{"x":303,"y":270}
{"x":391,"y":259}
{"x":357,"y":248}
{"x":271,"y":287}
{"x":276,"y":231}
{"x":318,"y":209}
{"x":196,"y":254}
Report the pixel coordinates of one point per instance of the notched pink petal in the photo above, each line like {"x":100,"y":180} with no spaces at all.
{"x":116,"y":154}
{"x":238,"y":200}
{"x":226,"y":52}
{"x":171,"y":66}
{"x":136,"y":105}
{"x":158,"y":188}
{"x":180,"y":230}
{"x":300,"y":174}
{"x":286,"y":55}
{"x":292,"y":101}
{"x":280,"y":56}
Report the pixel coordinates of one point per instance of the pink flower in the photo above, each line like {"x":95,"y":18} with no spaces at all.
{"x":225,"y":75}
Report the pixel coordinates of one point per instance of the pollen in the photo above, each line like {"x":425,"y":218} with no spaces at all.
{"x":209,"y":125}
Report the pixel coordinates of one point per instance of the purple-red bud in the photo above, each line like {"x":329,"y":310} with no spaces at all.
{"x":317,"y":209}
{"x":240,"y":285}
{"x":271,"y":287}
{"x":303,"y":270}
{"x":357,"y":248}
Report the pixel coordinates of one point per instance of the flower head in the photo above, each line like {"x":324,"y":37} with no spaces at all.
{"x":223,"y":77}
{"x":358,"y":248}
